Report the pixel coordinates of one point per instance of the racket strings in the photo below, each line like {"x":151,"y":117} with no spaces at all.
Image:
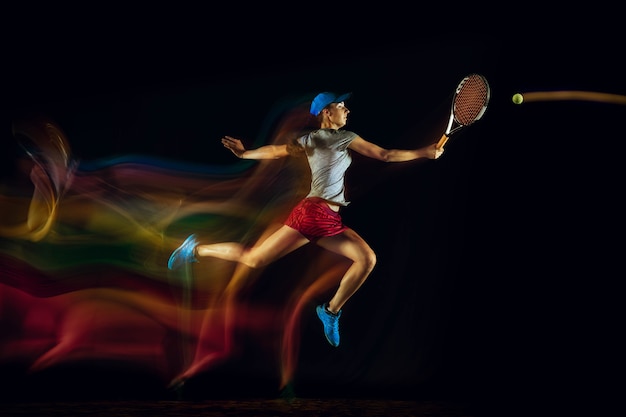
{"x":471,"y":100}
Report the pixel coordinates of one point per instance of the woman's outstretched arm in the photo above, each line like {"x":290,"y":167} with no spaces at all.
{"x":263,"y":152}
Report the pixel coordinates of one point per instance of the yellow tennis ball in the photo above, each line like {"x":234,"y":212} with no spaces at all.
{"x":518,"y":98}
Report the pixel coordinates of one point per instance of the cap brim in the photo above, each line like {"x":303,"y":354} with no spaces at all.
{"x":343,"y":97}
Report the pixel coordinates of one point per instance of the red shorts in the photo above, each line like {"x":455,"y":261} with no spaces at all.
{"x":314,"y":219}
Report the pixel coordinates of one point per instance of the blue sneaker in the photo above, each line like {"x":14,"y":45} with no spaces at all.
{"x":331,"y":324}
{"x":184,"y":253}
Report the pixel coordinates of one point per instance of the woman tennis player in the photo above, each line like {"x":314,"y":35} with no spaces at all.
{"x":316,"y":218}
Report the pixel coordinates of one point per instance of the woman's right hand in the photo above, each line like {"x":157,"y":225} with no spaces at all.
{"x":234,"y":145}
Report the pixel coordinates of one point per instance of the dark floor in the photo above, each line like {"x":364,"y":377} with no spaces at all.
{"x":298,"y":407}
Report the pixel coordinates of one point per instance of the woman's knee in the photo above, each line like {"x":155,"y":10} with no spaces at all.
{"x":253,"y":259}
{"x":369,"y":259}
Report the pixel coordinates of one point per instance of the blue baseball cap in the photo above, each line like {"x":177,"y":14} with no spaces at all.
{"x":324,"y":99}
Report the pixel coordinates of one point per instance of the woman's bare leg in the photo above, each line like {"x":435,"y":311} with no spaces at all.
{"x":283,"y":241}
{"x":354,"y":247}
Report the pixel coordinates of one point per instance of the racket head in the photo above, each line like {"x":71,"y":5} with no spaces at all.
{"x":471,"y":99}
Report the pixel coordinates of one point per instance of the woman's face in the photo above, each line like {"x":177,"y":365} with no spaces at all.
{"x":338,"y":114}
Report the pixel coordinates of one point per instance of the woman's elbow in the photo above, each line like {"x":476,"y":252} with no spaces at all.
{"x":384,"y":156}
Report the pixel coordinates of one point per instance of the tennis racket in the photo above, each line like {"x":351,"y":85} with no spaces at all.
{"x":468,"y":105}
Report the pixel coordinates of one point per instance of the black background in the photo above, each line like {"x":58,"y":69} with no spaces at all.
{"x":521,"y":213}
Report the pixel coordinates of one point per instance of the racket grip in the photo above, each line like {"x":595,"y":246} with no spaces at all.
{"x":442,"y":141}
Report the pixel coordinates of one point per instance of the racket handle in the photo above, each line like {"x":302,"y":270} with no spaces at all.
{"x":442,"y":141}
